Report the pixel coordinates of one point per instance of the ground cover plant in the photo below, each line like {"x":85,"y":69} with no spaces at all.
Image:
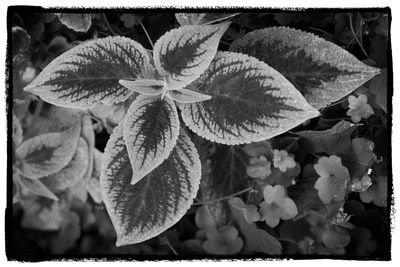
{"x":207,"y":134}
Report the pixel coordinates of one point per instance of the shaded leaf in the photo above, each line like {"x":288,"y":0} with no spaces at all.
{"x":93,"y":185}
{"x":144,"y":210}
{"x":36,"y":187}
{"x":334,"y":141}
{"x":256,"y":240}
{"x":250,"y":102}
{"x":47,"y":154}
{"x":360,"y":158}
{"x":16,"y":131}
{"x":89,"y":73}
{"x":72,"y":173}
{"x":250,"y":212}
{"x":20,"y":40}
{"x":151,"y":129}
{"x":76,"y":22}
{"x":87,"y":133}
{"x":377,"y":192}
{"x":379,"y":87}
{"x":41,"y":217}
{"x":201,"y":18}
{"x":183,"y":54}
{"x":203,"y":218}
{"x":322,"y":71}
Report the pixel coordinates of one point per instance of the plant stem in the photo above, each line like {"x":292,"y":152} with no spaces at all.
{"x":148,"y":37}
{"x":355,"y":35}
{"x":109,"y":25}
{"x":223,"y":198}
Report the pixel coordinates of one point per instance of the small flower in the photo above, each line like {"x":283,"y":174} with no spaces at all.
{"x":249,"y":212}
{"x":225,"y":241}
{"x":259,"y":167}
{"x":358,"y":108}
{"x":332,"y":183}
{"x":276,"y":205}
{"x":282,"y":160}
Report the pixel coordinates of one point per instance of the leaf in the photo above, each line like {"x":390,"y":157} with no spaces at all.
{"x":360,"y":158}
{"x":256,"y":240}
{"x":89,"y":73}
{"x":47,"y":154}
{"x":72,"y":173}
{"x":36,"y":187}
{"x":144,"y":86}
{"x":144,"y":210}
{"x":151,"y":128}
{"x":250,"y":212}
{"x":250,"y":102}
{"x":93,"y":185}
{"x":87,"y":134}
{"x":20,"y":40}
{"x":322,"y":71}
{"x":17,"y":136}
{"x":40,"y":217}
{"x":185,"y":96}
{"x":183,"y":54}
{"x":203,"y":218}
{"x":224,"y":174}
{"x":334,"y":141}
{"x":333,"y":179}
{"x":377,"y":192}
{"x":76,"y":22}
{"x":201,"y":18}
{"x":379,"y":88}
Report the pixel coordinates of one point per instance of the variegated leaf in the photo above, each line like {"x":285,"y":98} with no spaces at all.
{"x":89,"y":73}
{"x":144,"y":86}
{"x":144,"y":210}
{"x":322,"y":71}
{"x":36,"y":187}
{"x":93,"y":185}
{"x":72,"y":173}
{"x":250,"y":102}
{"x":201,"y":18}
{"x":47,"y":154}
{"x":185,"y":96}
{"x":151,"y":131}
{"x":182,"y":55}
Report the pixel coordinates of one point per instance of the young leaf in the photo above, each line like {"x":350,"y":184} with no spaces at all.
{"x":250,"y":102}
{"x":36,"y":187}
{"x":76,"y":22}
{"x":183,"y":54}
{"x":89,"y":73}
{"x":224,"y":241}
{"x":72,"y":173}
{"x":322,"y":71}
{"x":185,"y":96}
{"x":46,"y":154}
{"x":155,"y":203}
{"x":249,"y":212}
{"x":17,"y":136}
{"x":151,"y":128}
{"x":144,"y":86}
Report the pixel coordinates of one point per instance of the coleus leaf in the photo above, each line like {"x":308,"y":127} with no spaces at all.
{"x":322,"y":71}
{"x":151,"y":129}
{"x":47,"y":154}
{"x":89,"y":73}
{"x":201,"y":18}
{"x":250,"y":102}
{"x":76,"y":22}
{"x":182,"y":55}
{"x":144,"y":210}
{"x":72,"y":173}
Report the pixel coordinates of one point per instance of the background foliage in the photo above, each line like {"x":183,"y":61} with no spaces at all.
{"x":79,"y":225}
